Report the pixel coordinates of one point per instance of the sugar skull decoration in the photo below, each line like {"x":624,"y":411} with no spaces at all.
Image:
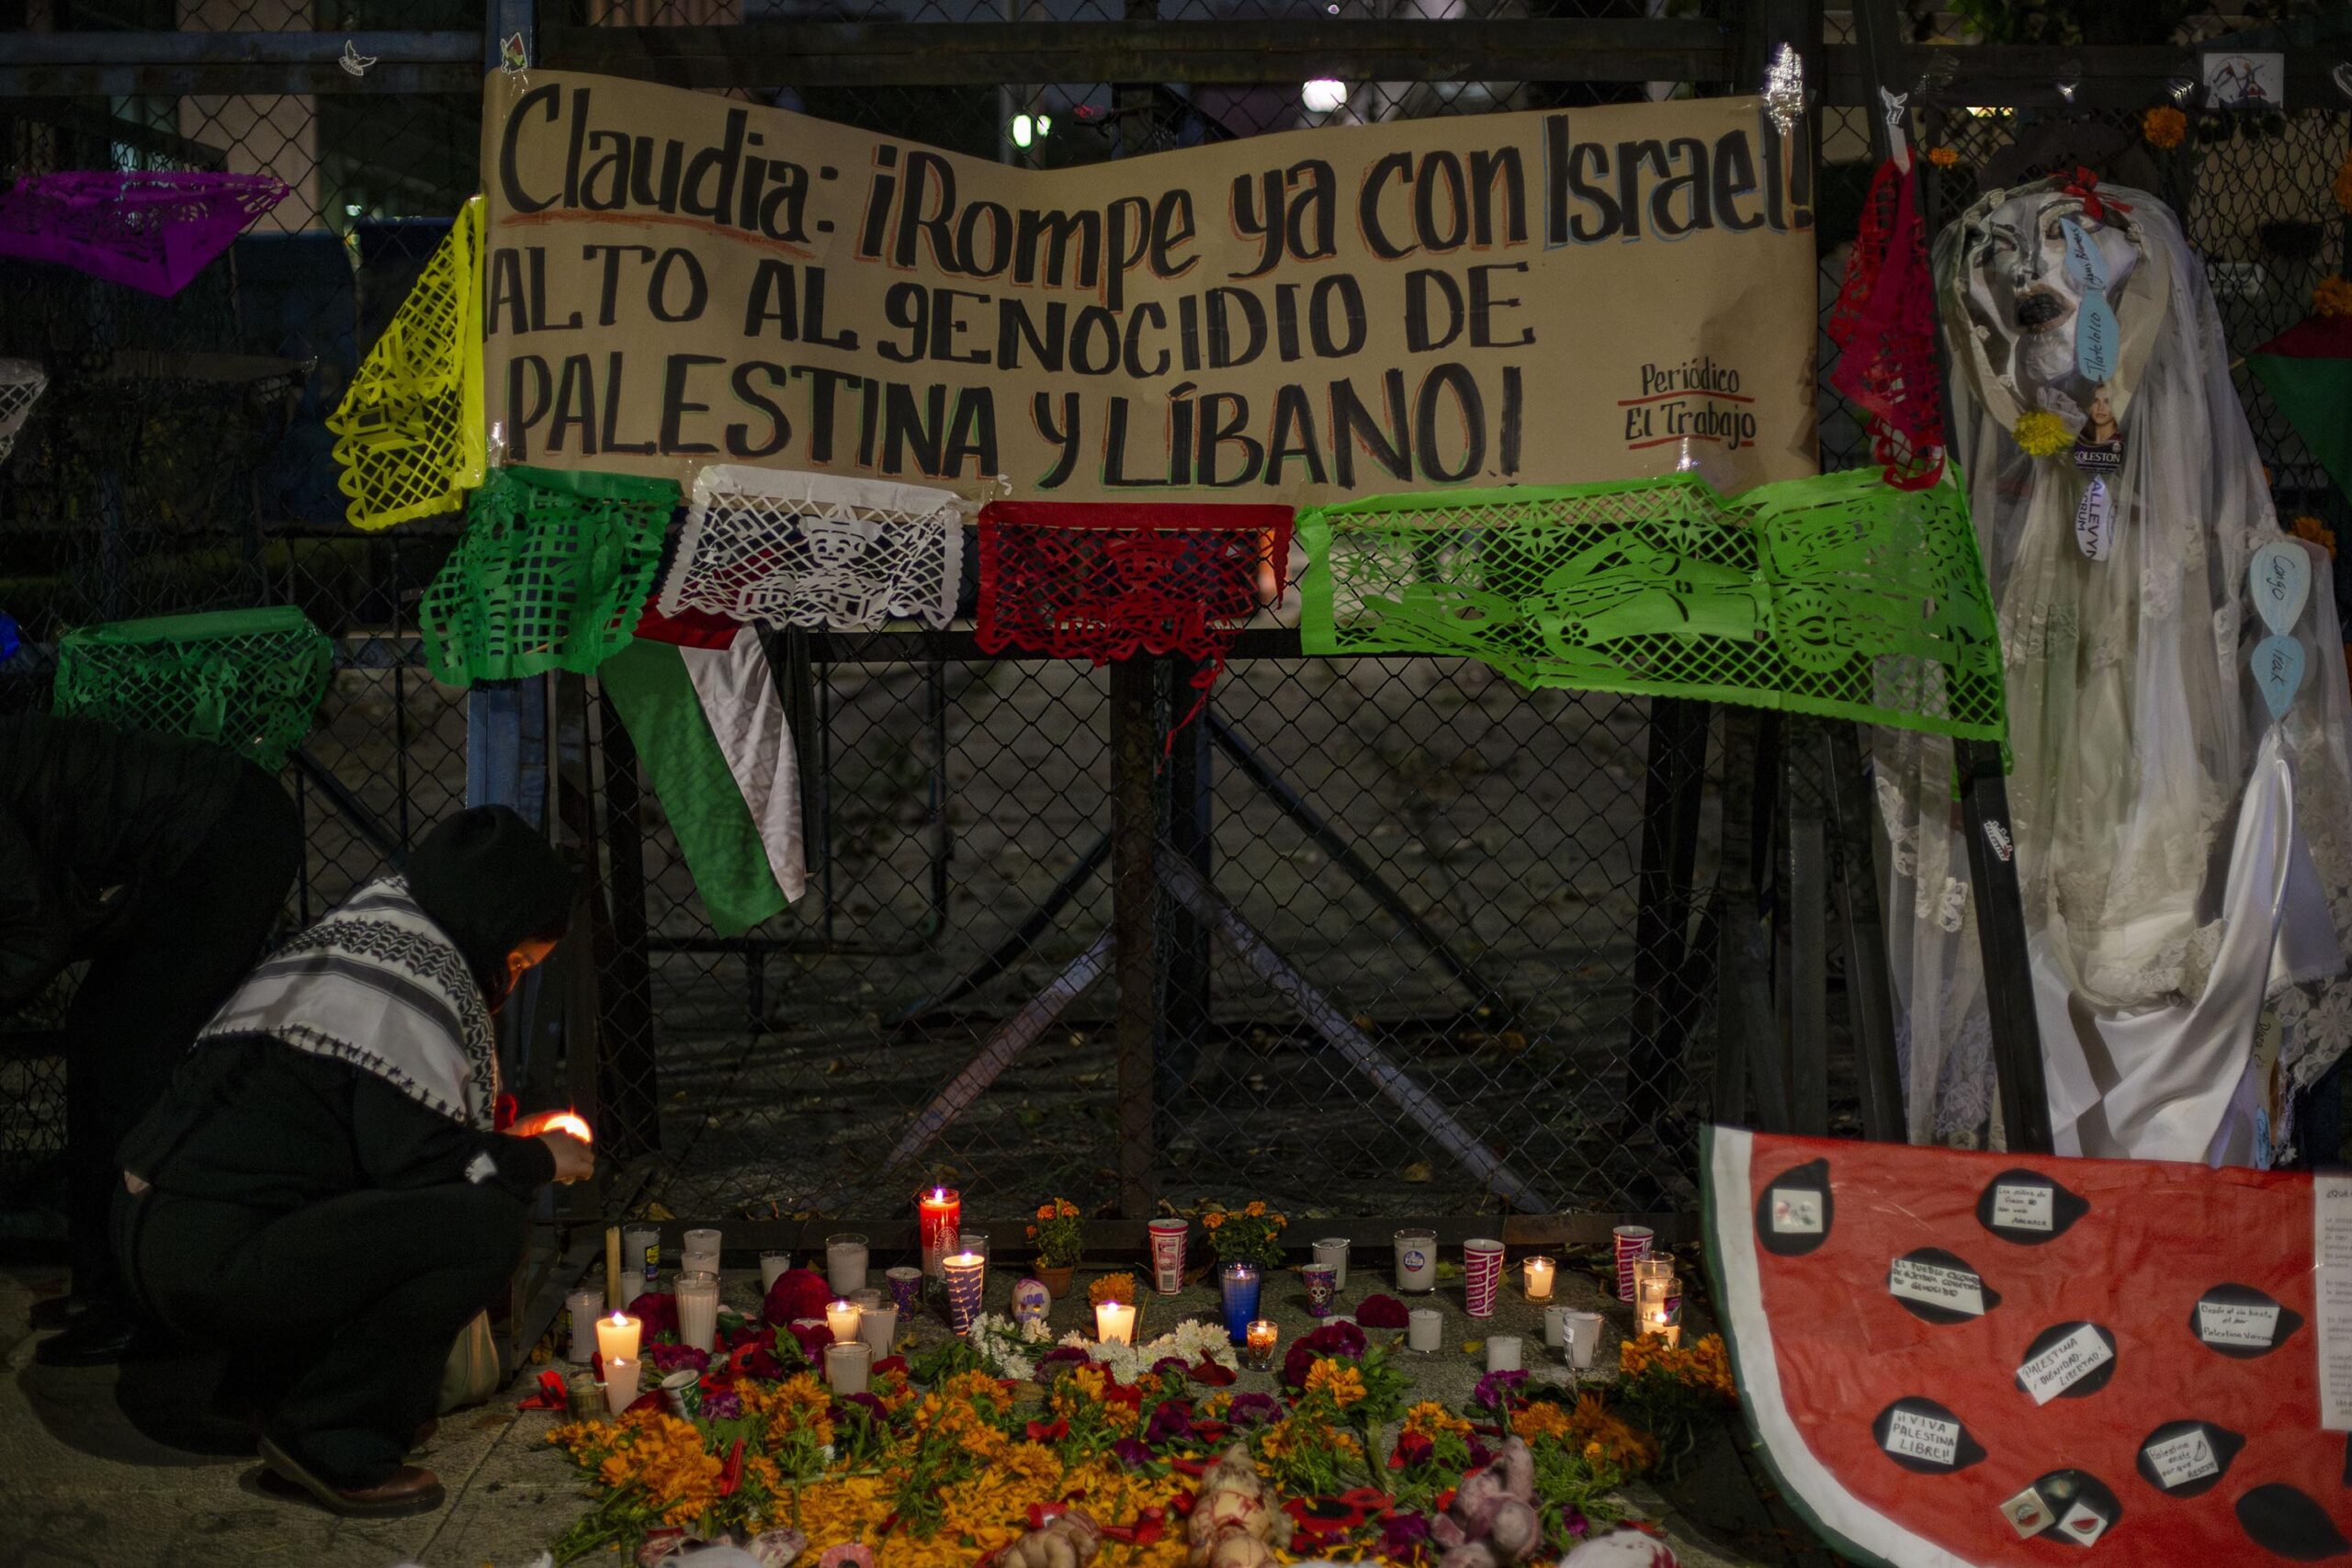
{"x":1031,"y":1301}
{"x":2046,"y":273}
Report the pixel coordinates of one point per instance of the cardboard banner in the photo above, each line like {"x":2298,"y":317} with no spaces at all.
{"x":675,"y":279}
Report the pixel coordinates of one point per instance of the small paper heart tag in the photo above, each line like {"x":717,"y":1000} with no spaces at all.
{"x":2280,"y":577}
{"x":2096,"y":336}
{"x":2084,"y":264}
{"x":2277,"y":665}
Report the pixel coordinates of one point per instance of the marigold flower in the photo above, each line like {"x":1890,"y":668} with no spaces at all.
{"x":1432,"y":1419}
{"x":2332,"y":296}
{"x":2317,"y":531}
{"x":2343,"y":185}
{"x":1545,"y":1419}
{"x":2041,"y":435}
{"x":1255,"y":1207}
{"x":1944,"y":157}
{"x":2163,"y":126}
{"x":1342,"y":1382}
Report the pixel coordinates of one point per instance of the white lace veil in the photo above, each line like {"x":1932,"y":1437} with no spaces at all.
{"x":2129,"y":713}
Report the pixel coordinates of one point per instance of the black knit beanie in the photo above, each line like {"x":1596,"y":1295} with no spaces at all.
{"x":491,"y":882}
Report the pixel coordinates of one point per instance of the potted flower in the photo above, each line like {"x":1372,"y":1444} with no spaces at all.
{"x":1252,"y":1234}
{"x":1060,"y":1236}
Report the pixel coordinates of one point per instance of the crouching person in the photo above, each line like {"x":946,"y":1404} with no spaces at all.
{"x":321,"y":1191}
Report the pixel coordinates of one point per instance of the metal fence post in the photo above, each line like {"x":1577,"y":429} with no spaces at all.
{"x":1135,"y":921}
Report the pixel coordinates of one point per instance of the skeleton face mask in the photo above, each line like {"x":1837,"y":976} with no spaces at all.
{"x":2022,"y":302}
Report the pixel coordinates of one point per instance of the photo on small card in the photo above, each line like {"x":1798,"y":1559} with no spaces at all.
{"x":2027,"y":1513}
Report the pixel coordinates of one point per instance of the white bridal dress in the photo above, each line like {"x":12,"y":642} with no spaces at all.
{"x":2183,"y":859}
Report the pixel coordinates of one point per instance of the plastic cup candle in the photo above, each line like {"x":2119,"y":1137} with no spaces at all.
{"x":845,"y":1263}
{"x":966,"y":1274}
{"x":620,"y":1382}
{"x":846,"y":1366}
{"x":1482,"y":1275}
{"x":1168,"y":1254}
{"x":770,"y":1265}
{"x":1263,"y":1337}
{"x":879,"y":1327}
{"x":1424,"y":1326}
{"x":1555,"y":1328}
{"x":1583,"y":1330}
{"x":1632,"y":1244}
{"x":1535,"y":1273}
{"x":1502,"y":1353}
{"x":1416,"y":1261}
{"x":1653,"y":1288}
{"x":585,"y":1307}
{"x":1321,"y":1284}
{"x":974,"y":1241}
{"x":939,"y":1220}
{"x":906,"y":1286}
{"x":1115,"y":1323}
{"x":867,"y":1298}
{"x":842,"y":1319}
{"x":1333,"y":1250}
{"x":617,"y":1338}
{"x":698,"y":1310}
{"x":1239,"y":1281}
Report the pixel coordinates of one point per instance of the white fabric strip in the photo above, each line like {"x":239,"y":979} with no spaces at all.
{"x":739,"y":702}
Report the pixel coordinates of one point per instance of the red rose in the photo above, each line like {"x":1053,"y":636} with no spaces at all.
{"x":798,"y":1293}
{"x":1382,"y":1311}
{"x":657,"y":1311}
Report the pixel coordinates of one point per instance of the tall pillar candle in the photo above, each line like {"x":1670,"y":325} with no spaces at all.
{"x":613,"y":1263}
{"x":1239,"y":1282}
{"x":1482,"y":1275}
{"x":939,"y":1219}
{"x":1632,"y":1244}
{"x":1168,"y":1254}
{"x":642,"y":1251}
{"x":698,"y":1310}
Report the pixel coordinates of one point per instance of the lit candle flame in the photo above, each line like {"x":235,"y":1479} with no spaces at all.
{"x":569,"y":1122}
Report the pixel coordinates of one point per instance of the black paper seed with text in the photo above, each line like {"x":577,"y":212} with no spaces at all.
{"x":1978,"y":1360}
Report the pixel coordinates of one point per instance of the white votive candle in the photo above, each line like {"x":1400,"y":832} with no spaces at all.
{"x":842,"y":1319}
{"x":845,"y":1263}
{"x":620,"y":1382}
{"x":586,"y":1307}
{"x":1115,"y":1323}
{"x":617,"y":1338}
{"x":1502,"y":1352}
{"x":770,"y":1265}
{"x":846,"y":1366}
{"x":1555,"y":1328}
{"x":1423,"y":1329}
{"x":1333,"y":1250}
{"x":1536,"y":1273}
{"x":879,"y":1327}
{"x":632,"y":1287}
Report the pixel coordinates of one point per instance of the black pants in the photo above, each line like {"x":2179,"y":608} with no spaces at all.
{"x":338,"y":1319}
{"x":158,"y":978}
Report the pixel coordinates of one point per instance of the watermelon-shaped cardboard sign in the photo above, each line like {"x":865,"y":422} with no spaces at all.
{"x":1962,"y":1360}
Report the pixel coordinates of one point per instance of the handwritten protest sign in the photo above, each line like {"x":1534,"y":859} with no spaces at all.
{"x":674,"y":280}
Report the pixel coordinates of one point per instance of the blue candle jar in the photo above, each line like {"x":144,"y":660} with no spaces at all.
{"x":1240,"y":1281}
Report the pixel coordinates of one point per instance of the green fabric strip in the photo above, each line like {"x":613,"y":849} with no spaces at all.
{"x":648,"y":685}
{"x":1838,"y":596}
{"x":2313,"y":394}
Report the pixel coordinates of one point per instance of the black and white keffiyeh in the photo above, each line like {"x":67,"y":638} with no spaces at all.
{"x":377,"y":984}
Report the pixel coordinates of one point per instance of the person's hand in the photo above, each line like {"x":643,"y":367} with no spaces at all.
{"x":574,"y":1161}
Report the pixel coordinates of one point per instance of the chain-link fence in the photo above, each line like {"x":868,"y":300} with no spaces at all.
{"x":1381,"y":866}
